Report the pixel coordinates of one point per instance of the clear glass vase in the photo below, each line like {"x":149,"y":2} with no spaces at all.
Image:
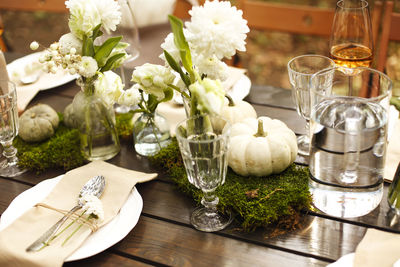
{"x":150,"y":134}
{"x":98,"y":134}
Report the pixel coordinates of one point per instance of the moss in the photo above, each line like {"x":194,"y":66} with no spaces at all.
{"x":258,"y":201}
{"x":62,"y":150}
{"x":124,"y":124}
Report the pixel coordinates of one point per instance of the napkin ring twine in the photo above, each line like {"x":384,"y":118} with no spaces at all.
{"x":93,"y":226}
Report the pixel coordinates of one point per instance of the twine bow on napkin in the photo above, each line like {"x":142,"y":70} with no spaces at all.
{"x":23,"y":231}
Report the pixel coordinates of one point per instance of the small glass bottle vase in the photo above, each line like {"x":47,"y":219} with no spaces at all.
{"x":150,"y":134}
{"x":98,"y":134}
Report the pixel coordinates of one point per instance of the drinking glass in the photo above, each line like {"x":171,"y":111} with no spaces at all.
{"x":9,"y":129}
{"x":204,"y":145}
{"x":300,"y":70}
{"x":351,"y":42}
{"x":348,"y":139}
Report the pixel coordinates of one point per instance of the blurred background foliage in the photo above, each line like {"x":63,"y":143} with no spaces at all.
{"x":266,"y":56}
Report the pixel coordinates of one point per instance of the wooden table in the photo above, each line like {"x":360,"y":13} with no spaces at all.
{"x":164,"y":236}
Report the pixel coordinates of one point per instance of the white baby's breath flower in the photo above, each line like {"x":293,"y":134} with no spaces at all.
{"x":88,"y":67}
{"x":34,"y":45}
{"x":131,"y":96}
{"x":110,"y":14}
{"x":217,"y":28}
{"x":68,"y":41}
{"x":209,"y":95}
{"x":154,"y":79}
{"x":108,"y":87}
{"x":84,"y":17}
{"x":93,"y":207}
{"x":212,"y":67}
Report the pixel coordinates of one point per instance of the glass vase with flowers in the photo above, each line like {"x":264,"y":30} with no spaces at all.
{"x":81,"y":52}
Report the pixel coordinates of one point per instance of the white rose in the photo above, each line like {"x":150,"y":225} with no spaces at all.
{"x":131,"y":96}
{"x":109,"y":87}
{"x":209,"y":95}
{"x":154,"y":79}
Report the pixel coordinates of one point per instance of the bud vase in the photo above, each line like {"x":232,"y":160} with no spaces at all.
{"x":150,"y":134}
{"x":98,"y":134}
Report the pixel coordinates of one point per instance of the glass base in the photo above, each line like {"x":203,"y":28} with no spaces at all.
{"x":204,"y":220}
{"x":101,"y":153}
{"x":303,"y":144}
{"x":10,"y":170}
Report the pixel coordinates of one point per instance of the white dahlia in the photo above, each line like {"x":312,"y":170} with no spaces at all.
{"x":217,"y":28}
{"x":212,"y":67}
{"x":84,"y":17}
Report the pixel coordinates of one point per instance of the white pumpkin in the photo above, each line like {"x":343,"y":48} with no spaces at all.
{"x":261,"y":146}
{"x":237,"y":111}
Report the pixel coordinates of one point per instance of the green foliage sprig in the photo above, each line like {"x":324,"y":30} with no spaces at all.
{"x":258,"y":201}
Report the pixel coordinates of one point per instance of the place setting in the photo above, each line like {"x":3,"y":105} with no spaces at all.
{"x":180,"y":149}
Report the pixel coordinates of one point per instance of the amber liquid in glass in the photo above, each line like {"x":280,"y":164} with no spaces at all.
{"x":351,"y":55}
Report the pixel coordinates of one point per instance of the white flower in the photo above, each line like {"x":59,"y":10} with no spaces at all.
{"x":93,"y":207}
{"x":154,"y":79}
{"x":209,"y":95}
{"x":169,"y":46}
{"x":88,"y":67}
{"x":110,"y":14}
{"x":108,"y":87}
{"x":217,"y":28}
{"x":212,"y":67}
{"x":131,"y":96}
{"x":68,"y":41}
{"x":84,"y":17}
{"x":34,"y":45}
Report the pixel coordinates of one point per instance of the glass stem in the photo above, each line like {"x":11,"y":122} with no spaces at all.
{"x":307,"y":127}
{"x":10,"y":153}
{"x":210,"y":200}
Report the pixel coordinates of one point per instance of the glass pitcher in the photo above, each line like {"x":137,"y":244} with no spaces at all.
{"x":349,"y":117}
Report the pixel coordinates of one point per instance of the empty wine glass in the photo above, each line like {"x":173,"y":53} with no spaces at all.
{"x":351,"y":42}
{"x":9,"y":129}
{"x":204,"y":147}
{"x":300,"y":70}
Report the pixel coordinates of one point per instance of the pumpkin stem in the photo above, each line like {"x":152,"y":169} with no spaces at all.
{"x":231,"y":102}
{"x":260,"y":130}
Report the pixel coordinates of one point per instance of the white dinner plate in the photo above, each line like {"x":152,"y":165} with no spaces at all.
{"x":46,"y":80}
{"x":103,"y":238}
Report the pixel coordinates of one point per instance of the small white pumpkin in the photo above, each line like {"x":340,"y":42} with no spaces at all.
{"x":261,"y":146}
{"x":237,"y":111}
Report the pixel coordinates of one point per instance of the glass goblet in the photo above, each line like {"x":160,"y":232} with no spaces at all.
{"x":9,"y":129}
{"x":351,"y":41}
{"x":300,"y":70}
{"x":204,"y":145}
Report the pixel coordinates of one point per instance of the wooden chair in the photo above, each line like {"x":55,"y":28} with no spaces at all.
{"x":31,"y":5}
{"x":297,"y":19}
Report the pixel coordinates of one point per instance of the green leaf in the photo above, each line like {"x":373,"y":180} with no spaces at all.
{"x":169,"y":93}
{"x":110,"y":62}
{"x":87,"y":47}
{"x":175,"y":66}
{"x":106,"y":48}
{"x":97,"y":32}
{"x":181,"y":43}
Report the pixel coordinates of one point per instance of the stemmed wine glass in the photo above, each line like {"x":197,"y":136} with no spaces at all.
{"x":300,"y":70}
{"x":204,"y":148}
{"x":9,"y":129}
{"x":351,"y":42}
{"x":130,"y":34}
